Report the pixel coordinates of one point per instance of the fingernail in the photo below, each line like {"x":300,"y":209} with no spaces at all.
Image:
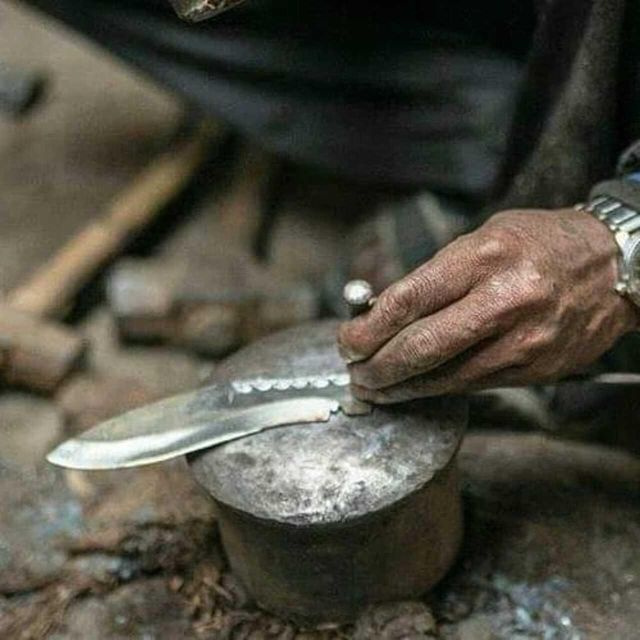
{"x":348,"y":355}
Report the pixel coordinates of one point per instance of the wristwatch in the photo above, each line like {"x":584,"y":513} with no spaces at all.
{"x":624,"y":223}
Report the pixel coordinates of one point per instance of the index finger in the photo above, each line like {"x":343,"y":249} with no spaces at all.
{"x":445,"y":279}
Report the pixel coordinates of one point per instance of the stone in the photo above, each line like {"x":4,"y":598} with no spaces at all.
{"x":209,"y":305}
{"x":321,"y":520}
{"x":161,"y":371}
{"x":116,"y":527}
{"x":91,"y":398}
{"x":36,"y":511}
{"x":551,"y":546}
{"x":477,"y":627}
{"x":397,"y":621}
{"x":148,"y":609}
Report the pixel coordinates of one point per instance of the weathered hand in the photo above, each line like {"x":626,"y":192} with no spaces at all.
{"x":527,"y":298}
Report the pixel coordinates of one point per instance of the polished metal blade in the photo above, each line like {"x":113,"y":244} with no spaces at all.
{"x":181,"y":425}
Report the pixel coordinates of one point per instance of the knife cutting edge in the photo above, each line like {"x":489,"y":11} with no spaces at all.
{"x":205,"y":418}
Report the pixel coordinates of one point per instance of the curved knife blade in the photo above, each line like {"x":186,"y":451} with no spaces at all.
{"x":175,"y":427}
{"x":205,"y":418}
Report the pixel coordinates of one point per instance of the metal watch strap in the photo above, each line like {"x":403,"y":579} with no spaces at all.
{"x":615,"y":214}
{"x":624,"y":223}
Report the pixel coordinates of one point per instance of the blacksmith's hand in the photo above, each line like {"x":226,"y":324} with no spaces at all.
{"x":527,"y":298}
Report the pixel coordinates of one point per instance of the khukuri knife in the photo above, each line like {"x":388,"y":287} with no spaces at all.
{"x":214,"y":415}
{"x":205,"y":418}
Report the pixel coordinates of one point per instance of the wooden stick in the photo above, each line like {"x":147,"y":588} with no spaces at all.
{"x":54,"y":285}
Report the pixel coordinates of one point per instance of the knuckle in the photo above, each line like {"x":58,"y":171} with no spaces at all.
{"x":534,"y":287}
{"x":400,"y":301}
{"x":505,"y":302}
{"x":420,"y":285}
{"x":520,"y":291}
{"x":420,"y":347}
{"x":491,"y":249}
{"x":393,"y":306}
{"x":498,"y":242}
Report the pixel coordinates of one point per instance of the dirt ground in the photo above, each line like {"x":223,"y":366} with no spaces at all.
{"x":551,"y":549}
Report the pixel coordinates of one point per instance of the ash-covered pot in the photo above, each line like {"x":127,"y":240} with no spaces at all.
{"x":322,"y":520}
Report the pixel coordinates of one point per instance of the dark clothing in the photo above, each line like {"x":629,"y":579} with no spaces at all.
{"x":414,"y":93}
{"x":580,"y":103}
{"x":407,"y":93}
